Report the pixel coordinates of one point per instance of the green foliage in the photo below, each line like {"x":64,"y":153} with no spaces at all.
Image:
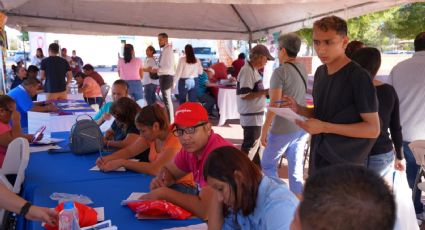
{"x":407,"y":22}
{"x":368,"y":28}
{"x":306,"y":35}
{"x":24,"y":36}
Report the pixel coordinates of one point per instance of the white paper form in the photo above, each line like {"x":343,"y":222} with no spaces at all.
{"x":43,"y":148}
{"x":286,"y":113}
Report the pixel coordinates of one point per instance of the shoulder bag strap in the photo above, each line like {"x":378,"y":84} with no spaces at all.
{"x":301,"y":76}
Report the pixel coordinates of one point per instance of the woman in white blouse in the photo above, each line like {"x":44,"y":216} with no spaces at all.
{"x":188,"y":69}
{"x":39,"y":56}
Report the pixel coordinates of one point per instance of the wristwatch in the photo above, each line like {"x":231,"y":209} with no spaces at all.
{"x":25,"y":209}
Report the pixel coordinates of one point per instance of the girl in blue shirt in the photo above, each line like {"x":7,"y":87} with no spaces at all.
{"x":244,"y":198}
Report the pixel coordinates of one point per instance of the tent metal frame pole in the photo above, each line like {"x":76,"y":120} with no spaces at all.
{"x":244,"y":23}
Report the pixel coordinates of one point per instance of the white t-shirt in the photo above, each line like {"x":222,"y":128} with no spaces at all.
{"x":251,"y":111}
{"x":149,"y":62}
{"x":408,"y":80}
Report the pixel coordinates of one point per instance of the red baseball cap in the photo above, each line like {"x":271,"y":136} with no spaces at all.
{"x":189,"y":114}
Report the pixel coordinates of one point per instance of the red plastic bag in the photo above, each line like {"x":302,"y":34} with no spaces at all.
{"x":86,"y":215}
{"x":159,"y":208}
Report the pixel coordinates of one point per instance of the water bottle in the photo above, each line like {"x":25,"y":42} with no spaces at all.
{"x":68,"y":217}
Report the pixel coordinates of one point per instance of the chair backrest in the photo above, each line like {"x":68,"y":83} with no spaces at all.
{"x":418,"y":149}
{"x":141,"y":102}
{"x":15,"y":162}
{"x":105,"y":89}
{"x":95,"y":107}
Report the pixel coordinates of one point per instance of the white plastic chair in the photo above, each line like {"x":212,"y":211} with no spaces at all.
{"x":15,"y":162}
{"x":95,"y":107}
{"x":418,"y":150}
{"x":104,"y":89}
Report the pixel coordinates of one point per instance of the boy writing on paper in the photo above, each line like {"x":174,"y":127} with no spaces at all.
{"x":198,"y":140}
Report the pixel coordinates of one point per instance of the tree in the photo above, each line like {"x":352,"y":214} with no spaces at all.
{"x":306,"y":35}
{"x":407,"y":22}
{"x":368,"y":28}
{"x":24,"y":36}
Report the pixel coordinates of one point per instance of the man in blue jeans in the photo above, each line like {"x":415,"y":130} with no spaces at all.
{"x":284,"y":136}
{"x":407,"y":78}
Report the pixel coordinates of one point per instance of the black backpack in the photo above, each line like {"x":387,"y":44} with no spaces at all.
{"x":85,"y":137}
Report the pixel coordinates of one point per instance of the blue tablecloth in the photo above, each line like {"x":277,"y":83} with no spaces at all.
{"x":69,"y":173}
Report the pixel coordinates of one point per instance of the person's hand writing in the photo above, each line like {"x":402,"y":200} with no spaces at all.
{"x":312,"y":126}
{"x":111,"y":165}
{"x":100,"y":161}
{"x":399,"y":165}
{"x":47,"y":215}
{"x":164,"y":179}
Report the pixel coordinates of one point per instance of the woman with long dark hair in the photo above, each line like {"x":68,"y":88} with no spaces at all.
{"x":39,"y":56}
{"x":130,"y":70}
{"x":123,"y":132}
{"x":381,"y":157}
{"x":155,"y":135}
{"x":188,"y":70}
{"x":244,"y":198}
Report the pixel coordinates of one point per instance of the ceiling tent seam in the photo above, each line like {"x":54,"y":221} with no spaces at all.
{"x":122,"y":24}
{"x":240,"y":17}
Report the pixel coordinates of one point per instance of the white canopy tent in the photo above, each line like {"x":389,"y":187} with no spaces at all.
{"x":205,"y":19}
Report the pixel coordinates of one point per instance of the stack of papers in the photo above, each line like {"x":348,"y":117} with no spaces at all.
{"x":286,"y":113}
{"x":134,"y":197}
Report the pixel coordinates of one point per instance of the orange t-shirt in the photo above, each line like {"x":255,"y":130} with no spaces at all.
{"x":173,"y":143}
{"x":92,"y":88}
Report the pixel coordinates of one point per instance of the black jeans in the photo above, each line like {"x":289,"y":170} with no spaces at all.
{"x":208,"y":102}
{"x":94,"y":100}
{"x":251,"y":143}
{"x":166,"y":85}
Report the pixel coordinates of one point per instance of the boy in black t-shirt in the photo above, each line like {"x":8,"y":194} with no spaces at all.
{"x":344,"y":121}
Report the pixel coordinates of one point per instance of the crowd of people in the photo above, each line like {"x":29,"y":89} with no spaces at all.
{"x":358,"y":131}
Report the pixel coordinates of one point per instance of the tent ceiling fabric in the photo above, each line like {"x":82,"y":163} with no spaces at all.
{"x":212,"y":19}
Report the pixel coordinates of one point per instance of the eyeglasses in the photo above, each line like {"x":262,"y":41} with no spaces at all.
{"x":190,"y":130}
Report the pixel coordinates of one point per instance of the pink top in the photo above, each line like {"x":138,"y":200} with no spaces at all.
{"x":93,"y":89}
{"x":3,"y":129}
{"x":130,"y":71}
{"x":190,"y":162}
